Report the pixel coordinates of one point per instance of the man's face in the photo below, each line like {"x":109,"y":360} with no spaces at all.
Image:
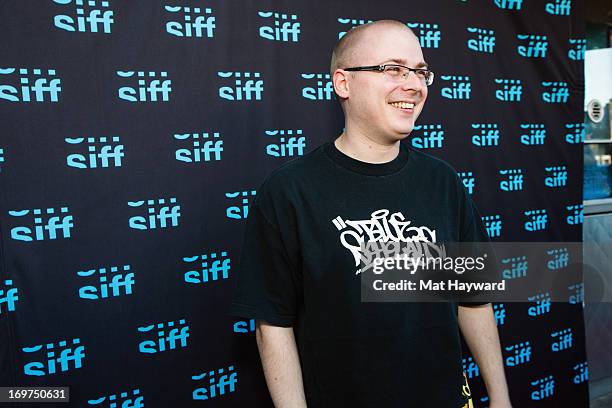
{"x":372,"y":104}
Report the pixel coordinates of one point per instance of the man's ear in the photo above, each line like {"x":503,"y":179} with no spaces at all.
{"x":340,"y":82}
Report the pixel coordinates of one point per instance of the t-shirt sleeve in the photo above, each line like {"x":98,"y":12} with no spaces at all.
{"x":471,"y":228}
{"x":269,"y":282}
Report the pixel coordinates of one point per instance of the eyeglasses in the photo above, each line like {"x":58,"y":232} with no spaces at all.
{"x":398,"y":73}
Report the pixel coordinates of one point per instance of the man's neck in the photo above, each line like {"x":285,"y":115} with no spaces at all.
{"x":365,"y":149}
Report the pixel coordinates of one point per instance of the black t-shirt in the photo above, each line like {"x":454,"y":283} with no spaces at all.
{"x":298,"y":268}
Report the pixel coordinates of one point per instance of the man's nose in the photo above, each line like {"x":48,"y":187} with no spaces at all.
{"x":412,"y":81}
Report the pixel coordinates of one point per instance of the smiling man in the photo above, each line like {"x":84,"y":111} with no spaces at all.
{"x":320,"y":346}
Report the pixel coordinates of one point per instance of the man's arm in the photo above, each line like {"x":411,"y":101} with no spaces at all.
{"x":477,"y":324}
{"x":281,"y":364}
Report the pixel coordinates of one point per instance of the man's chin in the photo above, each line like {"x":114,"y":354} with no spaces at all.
{"x":404,"y":128}
{"x":404,"y":131}
{"x":399,"y":136}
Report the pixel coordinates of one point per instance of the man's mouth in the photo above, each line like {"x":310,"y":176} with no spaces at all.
{"x":402,"y":105}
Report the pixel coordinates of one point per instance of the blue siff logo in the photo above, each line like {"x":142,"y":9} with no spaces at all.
{"x":515,"y":267}
{"x":47,"y":223}
{"x":499,"y":311}
{"x":545,"y":388}
{"x":251,"y":89}
{"x":555,"y":92}
{"x":510,"y":91}
{"x":536,"y":220}
{"x":559,"y":258}
{"x":285,"y":27}
{"x":542,"y":304}
{"x":493,"y":225}
{"x":244,"y":326}
{"x":155,"y":218}
{"x":508,"y":4}
{"x":206,"y":267}
{"x":468,"y":180}
{"x":460,"y":87}
{"x":70,"y":357}
{"x":9,"y":295}
{"x":428,"y":34}
{"x":576,"y":133}
{"x":576,"y":294}
{"x":432,"y":137}
{"x":484,"y":41}
{"x":131,"y":399}
{"x":100,"y":152}
{"x":536,"y":45}
{"x":488,"y":134}
{"x":470,"y":368}
{"x":352,"y":22}
{"x":239,"y":212}
{"x":520,"y":354}
{"x":167,"y":336}
{"x":577,"y":49}
{"x":45,"y":88}
{"x":512,"y":180}
{"x":556,"y":176}
{"x":562,"y":340}
{"x":112,"y":282}
{"x":559,"y":7}
{"x":290,"y":143}
{"x":535,"y":134}
{"x":575,"y":214}
{"x":582,"y":370}
{"x":88,"y":17}
{"x":216,"y":383}
{"x":149,"y":89}
{"x":324,"y":89}
{"x":205,"y":147}
{"x":195,"y":22}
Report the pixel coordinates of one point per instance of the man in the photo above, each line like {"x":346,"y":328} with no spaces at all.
{"x":320,"y":345}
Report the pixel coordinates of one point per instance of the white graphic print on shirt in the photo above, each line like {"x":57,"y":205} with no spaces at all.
{"x":381,"y":227}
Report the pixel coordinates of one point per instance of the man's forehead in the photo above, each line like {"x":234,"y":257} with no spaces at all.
{"x":390,"y":44}
{"x":387,"y":32}
{"x":403,"y":61}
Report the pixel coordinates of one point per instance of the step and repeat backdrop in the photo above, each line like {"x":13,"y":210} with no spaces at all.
{"x":136,"y":133}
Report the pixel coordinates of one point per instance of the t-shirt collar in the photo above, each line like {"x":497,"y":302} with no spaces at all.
{"x":368,"y":169}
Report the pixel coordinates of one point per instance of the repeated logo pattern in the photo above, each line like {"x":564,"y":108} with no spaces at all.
{"x":136,"y":136}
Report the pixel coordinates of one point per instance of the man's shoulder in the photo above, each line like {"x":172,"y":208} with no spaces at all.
{"x":293,"y":173}
{"x":432,"y":163}
{"x":297,"y":167}
{"x":441,"y":174}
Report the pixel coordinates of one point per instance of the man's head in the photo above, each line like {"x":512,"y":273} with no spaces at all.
{"x":369,"y":98}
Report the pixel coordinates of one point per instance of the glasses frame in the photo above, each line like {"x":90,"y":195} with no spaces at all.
{"x":381,"y":68}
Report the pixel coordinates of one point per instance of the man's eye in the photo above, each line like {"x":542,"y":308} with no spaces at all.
{"x":422,"y":72}
{"x":394,"y":70}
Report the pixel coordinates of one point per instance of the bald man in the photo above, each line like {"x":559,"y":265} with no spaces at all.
{"x":320,"y":346}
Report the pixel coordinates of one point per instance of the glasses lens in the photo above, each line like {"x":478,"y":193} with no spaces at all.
{"x":395,"y":72}
{"x":425,"y":76}
{"x":430,"y":78}
{"x":399,"y":74}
